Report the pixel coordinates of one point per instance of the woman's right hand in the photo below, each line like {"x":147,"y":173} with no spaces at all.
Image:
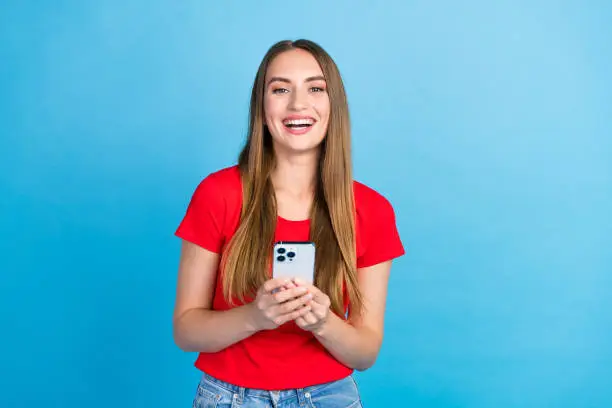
{"x":277,"y":302}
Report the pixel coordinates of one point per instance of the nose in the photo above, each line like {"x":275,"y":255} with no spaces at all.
{"x":298,"y":100}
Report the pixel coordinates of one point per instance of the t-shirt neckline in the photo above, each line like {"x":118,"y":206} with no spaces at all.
{"x":293,"y":221}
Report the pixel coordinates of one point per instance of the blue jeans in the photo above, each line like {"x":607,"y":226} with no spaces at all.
{"x":214,"y":393}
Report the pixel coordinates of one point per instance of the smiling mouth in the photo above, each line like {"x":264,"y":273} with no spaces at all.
{"x":299,"y":123}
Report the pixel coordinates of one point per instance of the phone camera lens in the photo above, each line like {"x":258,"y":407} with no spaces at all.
{"x":280,"y":258}
{"x":290,"y":254}
{"x":281,"y":250}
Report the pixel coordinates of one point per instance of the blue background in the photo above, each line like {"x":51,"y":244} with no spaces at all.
{"x":486,"y":124}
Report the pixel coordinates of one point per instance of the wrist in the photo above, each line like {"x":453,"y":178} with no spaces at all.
{"x":323,"y":330}
{"x":252,"y":325}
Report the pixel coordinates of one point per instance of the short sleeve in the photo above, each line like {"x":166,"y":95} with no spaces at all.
{"x":204,"y":219}
{"x":380,"y":235}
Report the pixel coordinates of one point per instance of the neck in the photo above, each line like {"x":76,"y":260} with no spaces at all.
{"x":296,"y":175}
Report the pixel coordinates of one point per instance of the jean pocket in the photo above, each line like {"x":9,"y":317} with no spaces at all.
{"x":205,"y":398}
{"x":209,"y":395}
{"x":339,"y":394}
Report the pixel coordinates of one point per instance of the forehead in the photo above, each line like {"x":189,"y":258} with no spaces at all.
{"x":294,"y":65}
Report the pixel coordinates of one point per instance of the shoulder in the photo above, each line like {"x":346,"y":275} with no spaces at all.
{"x":214,"y":204}
{"x":227,"y":178}
{"x":223,"y":183}
{"x":221,"y":189}
{"x":369,"y":201}
{"x":377,"y":233}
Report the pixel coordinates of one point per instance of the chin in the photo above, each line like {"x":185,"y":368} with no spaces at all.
{"x":303,"y":149}
{"x":300,"y":147}
{"x":299,"y":143}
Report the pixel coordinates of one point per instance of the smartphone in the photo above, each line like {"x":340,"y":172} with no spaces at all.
{"x":294,"y":260}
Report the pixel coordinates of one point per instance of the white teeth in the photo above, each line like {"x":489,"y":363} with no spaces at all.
{"x":299,"y":122}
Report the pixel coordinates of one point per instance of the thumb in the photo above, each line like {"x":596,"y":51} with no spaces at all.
{"x":317,"y":295}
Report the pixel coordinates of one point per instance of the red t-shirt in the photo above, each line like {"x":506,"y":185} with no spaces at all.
{"x":287,"y":357}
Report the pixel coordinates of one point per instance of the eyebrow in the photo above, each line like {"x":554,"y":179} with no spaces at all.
{"x":309,"y":79}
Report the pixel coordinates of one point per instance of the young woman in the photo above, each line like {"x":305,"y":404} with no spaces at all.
{"x":266,"y":342}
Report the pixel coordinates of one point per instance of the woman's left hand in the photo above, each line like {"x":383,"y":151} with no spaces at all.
{"x":315,"y":320}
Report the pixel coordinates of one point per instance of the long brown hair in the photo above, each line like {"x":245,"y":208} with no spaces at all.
{"x":246,"y":261}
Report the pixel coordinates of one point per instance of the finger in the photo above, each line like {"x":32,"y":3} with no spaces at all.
{"x":320,"y":303}
{"x":289,"y":294}
{"x":282,"y":319}
{"x":300,"y":282}
{"x":301,"y":322}
{"x":290,"y":285}
{"x":286,"y":286}
{"x":319,"y":311}
{"x":310,"y":318}
{"x":293,"y":304}
{"x":318,"y":295}
{"x":273,"y":284}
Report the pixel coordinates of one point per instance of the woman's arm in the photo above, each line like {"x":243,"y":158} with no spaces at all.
{"x":355,"y":342}
{"x":198,"y":328}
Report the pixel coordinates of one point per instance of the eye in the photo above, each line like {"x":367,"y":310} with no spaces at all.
{"x":317,"y":89}
{"x":279,"y":91}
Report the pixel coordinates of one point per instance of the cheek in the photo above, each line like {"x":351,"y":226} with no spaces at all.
{"x":267,"y":111}
{"x":268,"y":119}
{"x":272,"y":109}
{"x":323,"y":108}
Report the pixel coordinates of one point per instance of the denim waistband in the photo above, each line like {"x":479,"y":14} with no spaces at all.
{"x":241,"y":392}
{"x":300,"y":393}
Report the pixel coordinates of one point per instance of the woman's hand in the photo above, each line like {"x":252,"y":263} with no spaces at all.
{"x":314,"y":320}
{"x":288,"y":302}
